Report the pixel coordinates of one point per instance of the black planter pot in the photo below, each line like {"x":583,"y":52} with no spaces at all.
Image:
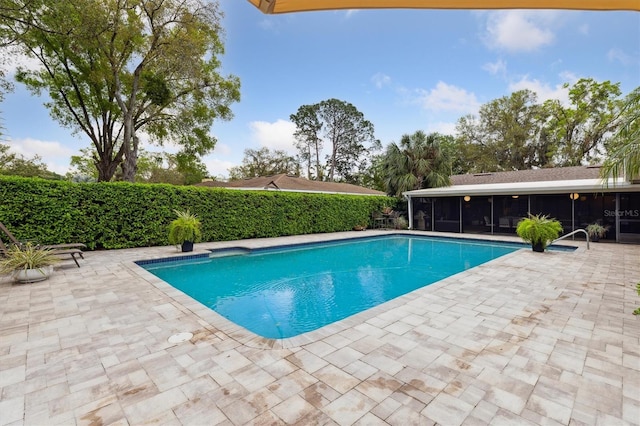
{"x":538,"y":247}
{"x":187,"y":246}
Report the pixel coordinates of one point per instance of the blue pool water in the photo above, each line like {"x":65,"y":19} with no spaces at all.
{"x":283,"y":292}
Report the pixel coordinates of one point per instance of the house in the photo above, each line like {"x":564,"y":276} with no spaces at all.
{"x":494,"y":202}
{"x":284,"y":182}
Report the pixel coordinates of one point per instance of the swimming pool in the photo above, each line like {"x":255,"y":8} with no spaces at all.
{"x":286,"y":291}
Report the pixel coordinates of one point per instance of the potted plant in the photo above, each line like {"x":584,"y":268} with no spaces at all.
{"x":538,"y":230}
{"x":596,"y":231}
{"x":28,"y":262}
{"x":185,"y":230}
{"x":402,"y":223}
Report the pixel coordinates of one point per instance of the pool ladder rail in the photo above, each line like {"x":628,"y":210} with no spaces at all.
{"x":573,"y":233}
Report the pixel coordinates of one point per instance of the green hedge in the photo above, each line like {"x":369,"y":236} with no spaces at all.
{"x":121,"y":215}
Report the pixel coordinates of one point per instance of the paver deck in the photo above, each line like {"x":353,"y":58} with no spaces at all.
{"x":528,"y":338}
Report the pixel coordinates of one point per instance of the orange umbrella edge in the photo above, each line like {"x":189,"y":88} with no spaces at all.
{"x":290,"y":6}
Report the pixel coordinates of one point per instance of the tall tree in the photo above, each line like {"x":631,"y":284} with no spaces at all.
{"x":264,"y":162}
{"x":344,"y":130}
{"x":505,"y":135}
{"x":5,"y":86}
{"x":578,"y":132}
{"x":623,"y":157}
{"x":308,"y":141}
{"x":452,"y":149}
{"x":373,"y":176}
{"x":116,"y":68}
{"x":351,"y":139}
{"x":417,"y":162}
{"x":175,"y":169}
{"x":153,"y":167}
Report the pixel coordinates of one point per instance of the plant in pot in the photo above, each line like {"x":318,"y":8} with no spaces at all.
{"x":185,"y":230}
{"x":28,"y":263}
{"x":402,"y":223}
{"x":539,"y":230}
{"x":596,"y":231}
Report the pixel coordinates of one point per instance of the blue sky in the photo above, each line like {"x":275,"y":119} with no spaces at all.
{"x":405,"y":70}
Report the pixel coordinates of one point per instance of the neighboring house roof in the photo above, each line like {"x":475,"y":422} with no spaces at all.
{"x":534,"y":175}
{"x":521,"y":182}
{"x":284,"y":182}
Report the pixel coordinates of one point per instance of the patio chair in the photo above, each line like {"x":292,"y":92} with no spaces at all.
{"x":487,"y":222}
{"x":3,"y":248}
{"x":70,"y":249}
{"x":379,"y":221}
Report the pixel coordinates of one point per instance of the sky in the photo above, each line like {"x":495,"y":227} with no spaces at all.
{"x":405,"y":70}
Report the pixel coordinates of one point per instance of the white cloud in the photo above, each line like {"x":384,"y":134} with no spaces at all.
{"x":267,"y":24}
{"x":52,"y":153}
{"x":569,"y":77}
{"x":520,"y":30}
{"x":278,"y":135}
{"x":380,"y":80}
{"x":217,"y":167}
{"x":14,"y":60}
{"x":584,"y":29}
{"x":446,"y":97}
{"x":499,"y":67}
{"x":444,"y":128}
{"x":544,"y":90}
{"x":618,"y":55}
{"x":222,"y":149}
{"x":350,"y":12}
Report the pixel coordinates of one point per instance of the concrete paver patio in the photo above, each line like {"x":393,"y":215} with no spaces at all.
{"x":525,"y":339}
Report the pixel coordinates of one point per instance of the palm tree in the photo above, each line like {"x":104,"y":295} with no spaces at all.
{"x":624,"y":156}
{"x":417,"y":162}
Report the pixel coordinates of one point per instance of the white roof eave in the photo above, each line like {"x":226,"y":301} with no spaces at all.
{"x":527,"y":188}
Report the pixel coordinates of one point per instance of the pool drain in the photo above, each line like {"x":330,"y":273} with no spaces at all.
{"x":180,"y":337}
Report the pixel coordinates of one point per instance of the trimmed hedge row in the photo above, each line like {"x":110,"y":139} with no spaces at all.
{"x":122,"y":215}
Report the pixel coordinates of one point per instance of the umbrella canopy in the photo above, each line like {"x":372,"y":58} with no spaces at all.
{"x":286,"y":6}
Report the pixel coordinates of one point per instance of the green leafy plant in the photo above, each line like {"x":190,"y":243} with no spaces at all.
{"x":596,"y":231}
{"x":637,"y":310}
{"x":115,"y":215}
{"x":186,"y":227}
{"x":25,"y":257}
{"x":538,"y":230}
{"x":402,"y":223}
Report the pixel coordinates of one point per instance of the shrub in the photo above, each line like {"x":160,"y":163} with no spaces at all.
{"x":186,"y":227}
{"x":538,"y":230}
{"x":121,"y":214}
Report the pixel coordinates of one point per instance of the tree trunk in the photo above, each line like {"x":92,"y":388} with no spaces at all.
{"x":106,"y":168}
{"x":332,"y":164}
{"x":129,"y":139}
{"x":309,"y":162}
{"x":318,"y":169}
{"x":130,"y":161}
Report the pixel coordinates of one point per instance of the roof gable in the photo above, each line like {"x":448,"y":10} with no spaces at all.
{"x":284,"y":182}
